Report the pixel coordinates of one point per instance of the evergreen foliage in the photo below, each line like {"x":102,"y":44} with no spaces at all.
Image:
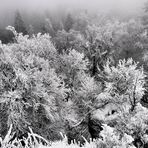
{"x":75,"y":85}
{"x":19,"y":23}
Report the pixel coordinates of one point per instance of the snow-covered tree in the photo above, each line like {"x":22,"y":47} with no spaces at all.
{"x":124,"y":83}
{"x":32,"y":93}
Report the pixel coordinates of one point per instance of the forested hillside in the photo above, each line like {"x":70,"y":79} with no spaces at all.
{"x":79,"y":80}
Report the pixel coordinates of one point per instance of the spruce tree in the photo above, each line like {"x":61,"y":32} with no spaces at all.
{"x":19,"y":23}
{"x":69,"y":22}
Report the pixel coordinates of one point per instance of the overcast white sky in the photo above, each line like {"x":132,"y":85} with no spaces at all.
{"x":131,"y":5}
{"x":121,"y":7}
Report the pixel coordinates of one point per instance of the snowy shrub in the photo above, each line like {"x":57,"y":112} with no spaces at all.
{"x":124,"y":83}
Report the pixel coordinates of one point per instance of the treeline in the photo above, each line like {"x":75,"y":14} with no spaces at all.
{"x":52,"y":21}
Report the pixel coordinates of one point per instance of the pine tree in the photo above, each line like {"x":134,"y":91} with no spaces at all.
{"x":19,"y":23}
{"x":69,"y":22}
{"x":31,"y":30}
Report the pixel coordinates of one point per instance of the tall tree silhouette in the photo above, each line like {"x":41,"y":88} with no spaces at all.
{"x":19,"y":23}
{"x":69,"y":22}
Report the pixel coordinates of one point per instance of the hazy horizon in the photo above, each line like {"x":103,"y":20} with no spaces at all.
{"x":31,"y":7}
{"x":103,"y":5}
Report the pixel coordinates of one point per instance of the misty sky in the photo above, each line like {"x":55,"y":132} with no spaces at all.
{"x":103,"y":5}
{"x":123,"y":7}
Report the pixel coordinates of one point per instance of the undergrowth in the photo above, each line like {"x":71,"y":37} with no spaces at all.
{"x":109,"y":139}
